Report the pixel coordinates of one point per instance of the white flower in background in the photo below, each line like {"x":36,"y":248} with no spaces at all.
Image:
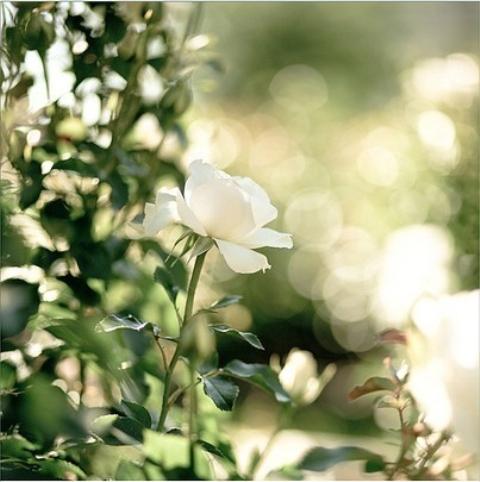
{"x":230,"y":210}
{"x":299,"y":377}
{"x":447,"y":386}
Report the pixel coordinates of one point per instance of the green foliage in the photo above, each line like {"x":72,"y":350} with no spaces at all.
{"x":250,"y":338}
{"x":114,"y":322}
{"x":117,"y":430}
{"x":372,"y":385}
{"x":201,"y":245}
{"x":66,"y":213}
{"x":8,"y":375}
{"x":170,"y":453}
{"x":73,"y":313}
{"x":23,"y":302}
{"x":225,"y":301}
{"x":321,"y":458}
{"x":260,"y":375}
{"x":129,"y":471}
{"x":164,"y":277}
{"x":137,"y":412}
{"x":222,"y":391}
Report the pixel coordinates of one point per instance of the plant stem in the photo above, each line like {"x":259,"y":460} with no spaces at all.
{"x":181,"y":390}
{"x":162,"y":351}
{"x":192,"y":418}
{"x":284,"y":419}
{"x":187,"y":315}
{"x":120,"y":122}
{"x":46,"y":77}
{"x":197,"y":268}
{"x":443,"y":437}
{"x":404,"y":446}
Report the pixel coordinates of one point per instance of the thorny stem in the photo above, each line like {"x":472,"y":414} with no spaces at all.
{"x":187,"y":315}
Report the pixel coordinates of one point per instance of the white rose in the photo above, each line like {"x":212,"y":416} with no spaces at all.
{"x":299,"y":377}
{"x":230,"y":210}
{"x":447,"y":386}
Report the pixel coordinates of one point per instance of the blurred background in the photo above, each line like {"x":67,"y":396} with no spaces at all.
{"x":361,"y":122}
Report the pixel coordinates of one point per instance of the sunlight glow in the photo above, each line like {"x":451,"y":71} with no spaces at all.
{"x":415,"y":262}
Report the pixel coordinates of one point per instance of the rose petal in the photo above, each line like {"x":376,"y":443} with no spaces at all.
{"x":268,"y":237}
{"x":262,"y":208}
{"x":200,"y":173}
{"x":187,"y":217}
{"x":312,"y":391}
{"x":159,"y":215}
{"x":241,"y":259}
{"x":165,"y":195}
{"x":223,"y":209}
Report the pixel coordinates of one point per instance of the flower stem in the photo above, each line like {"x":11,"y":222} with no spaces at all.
{"x":187,"y":315}
{"x":284,"y":419}
{"x":192,"y":418}
{"x":443,"y":437}
{"x":193,"y":286}
{"x":404,"y":442}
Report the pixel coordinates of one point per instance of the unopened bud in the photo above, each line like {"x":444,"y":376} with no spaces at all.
{"x":419,"y":429}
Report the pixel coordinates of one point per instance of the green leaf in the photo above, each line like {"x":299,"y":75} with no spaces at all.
{"x":373,"y":384}
{"x":288,"y":472}
{"x":190,"y":240}
{"x":255,"y":457}
{"x":374,"y":465}
{"x":201,"y":245}
{"x":8,"y":375}
{"x":120,"y":190}
{"x":223,"y":450}
{"x":185,"y":236}
{"x":16,"y":446}
{"x":58,"y":417}
{"x":117,"y":430}
{"x":225,"y":301}
{"x":76,"y":165}
{"x":84,"y":336}
{"x":320,"y":458}
{"x":116,"y":322}
{"x":127,"y":470}
{"x":222,"y":391}
{"x":23,"y":302}
{"x":93,"y":258}
{"x":82,"y":290}
{"x":250,"y":338}
{"x":163,"y":277}
{"x":260,"y":375}
{"x":171,"y":452}
{"x":177,"y":269}
{"x":30,"y":192}
{"x":176,"y":99}
{"x":137,"y":412}
{"x":222,"y":303}
{"x":208,"y":365}
{"x":58,"y":469}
